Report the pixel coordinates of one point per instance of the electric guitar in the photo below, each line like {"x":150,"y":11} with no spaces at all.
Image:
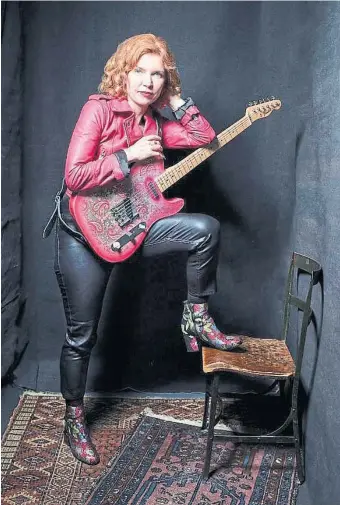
{"x":116,"y":218}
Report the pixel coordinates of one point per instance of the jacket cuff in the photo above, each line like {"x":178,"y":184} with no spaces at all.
{"x":123,"y":162}
{"x":179,"y":113}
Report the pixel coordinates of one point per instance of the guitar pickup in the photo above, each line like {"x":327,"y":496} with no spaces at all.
{"x":124,"y":213}
{"x":128,"y":237}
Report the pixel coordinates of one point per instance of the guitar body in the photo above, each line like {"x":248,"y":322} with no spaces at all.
{"x":116,"y":218}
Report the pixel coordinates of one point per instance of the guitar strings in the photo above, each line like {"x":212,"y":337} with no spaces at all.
{"x":227,"y":134}
{"x":200,"y":155}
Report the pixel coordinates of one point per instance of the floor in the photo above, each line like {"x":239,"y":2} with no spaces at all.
{"x":9,"y":399}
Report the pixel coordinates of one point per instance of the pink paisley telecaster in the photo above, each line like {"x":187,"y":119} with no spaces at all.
{"x":116,"y":218}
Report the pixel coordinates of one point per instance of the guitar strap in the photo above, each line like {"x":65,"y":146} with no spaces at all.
{"x":57,"y":213}
{"x":59,"y":196}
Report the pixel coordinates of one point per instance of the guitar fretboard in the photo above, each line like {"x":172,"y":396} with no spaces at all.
{"x":176,"y":172}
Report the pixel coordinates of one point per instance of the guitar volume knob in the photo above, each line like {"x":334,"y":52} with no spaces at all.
{"x":116,"y":246}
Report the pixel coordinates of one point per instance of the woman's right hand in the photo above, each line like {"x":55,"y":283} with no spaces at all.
{"x":147,"y":147}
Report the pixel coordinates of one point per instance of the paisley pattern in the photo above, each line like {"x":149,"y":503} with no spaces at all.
{"x":94,"y":215}
{"x":198,"y":324}
{"x":77,"y":436}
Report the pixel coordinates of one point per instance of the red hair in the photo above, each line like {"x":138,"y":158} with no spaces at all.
{"x":125,"y":59}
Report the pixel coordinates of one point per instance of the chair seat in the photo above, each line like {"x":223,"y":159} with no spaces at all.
{"x":256,"y":356}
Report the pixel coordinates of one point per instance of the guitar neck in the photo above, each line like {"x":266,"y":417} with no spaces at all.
{"x":176,"y":172}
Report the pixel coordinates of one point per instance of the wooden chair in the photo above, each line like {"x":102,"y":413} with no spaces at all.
{"x":268,"y":358}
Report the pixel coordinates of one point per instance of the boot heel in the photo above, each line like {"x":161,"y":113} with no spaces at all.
{"x":190,"y":343}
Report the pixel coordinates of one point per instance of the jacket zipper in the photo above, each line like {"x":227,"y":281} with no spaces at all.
{"x":126,"y":135}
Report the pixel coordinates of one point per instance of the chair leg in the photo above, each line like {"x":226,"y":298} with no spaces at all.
{"x":297,"y":433}
{"x":298,"y":448}
{"x":206,"y":403}
{"x":285,"y":389}
{"x":212,"y":417}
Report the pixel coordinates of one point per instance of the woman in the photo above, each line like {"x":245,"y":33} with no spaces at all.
{"x":116,"y":128}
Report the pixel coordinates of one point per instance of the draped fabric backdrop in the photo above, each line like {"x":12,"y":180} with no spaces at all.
{"x":14,"y":338}
{"x":275,"y":189}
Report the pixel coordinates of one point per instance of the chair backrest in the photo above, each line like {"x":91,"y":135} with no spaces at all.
{"x":309,"y":266}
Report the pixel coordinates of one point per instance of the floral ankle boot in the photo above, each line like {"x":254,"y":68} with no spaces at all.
{"x":77,"y":436}
{"x":199,"y":327}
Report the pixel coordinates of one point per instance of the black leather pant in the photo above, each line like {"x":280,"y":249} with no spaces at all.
{"x":83,"y":277}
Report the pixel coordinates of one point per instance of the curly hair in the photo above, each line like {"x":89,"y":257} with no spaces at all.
{"x":125,"y":59}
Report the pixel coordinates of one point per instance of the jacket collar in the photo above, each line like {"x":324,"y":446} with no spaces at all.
{"x":117,"y":104}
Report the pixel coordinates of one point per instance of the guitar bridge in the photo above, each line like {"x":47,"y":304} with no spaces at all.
{"x":124,"y":213}
{"x":128,"y":237}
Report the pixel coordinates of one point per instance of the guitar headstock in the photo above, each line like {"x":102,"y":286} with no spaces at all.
{"x":262,"y":108}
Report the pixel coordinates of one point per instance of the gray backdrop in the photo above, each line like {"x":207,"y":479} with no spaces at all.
{"x":275,"y":189}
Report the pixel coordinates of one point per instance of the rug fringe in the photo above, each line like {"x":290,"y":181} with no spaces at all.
{"x":148,"y":412}
{"x":125,"y":395}
{"x":32,"y":392}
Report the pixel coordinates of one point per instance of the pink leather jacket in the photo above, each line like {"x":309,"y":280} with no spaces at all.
{"x":107,"y":125}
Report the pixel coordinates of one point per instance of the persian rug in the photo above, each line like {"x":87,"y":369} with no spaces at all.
{"x":162,"y":462}
{"x":39,"y":469}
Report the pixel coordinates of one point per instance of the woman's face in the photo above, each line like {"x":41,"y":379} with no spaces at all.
{"x":146,"y":81}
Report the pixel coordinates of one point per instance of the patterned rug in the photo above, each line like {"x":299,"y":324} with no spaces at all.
{"x":162,"y":463}
{"x":38,"y":468}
